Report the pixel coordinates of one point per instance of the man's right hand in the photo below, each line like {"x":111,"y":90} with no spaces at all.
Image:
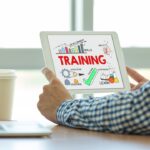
{"x":54,"y":94}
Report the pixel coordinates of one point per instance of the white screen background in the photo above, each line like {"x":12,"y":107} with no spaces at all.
{"x":100,"y":81}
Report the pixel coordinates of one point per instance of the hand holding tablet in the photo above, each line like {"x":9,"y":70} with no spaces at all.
{"x":86,"y":62}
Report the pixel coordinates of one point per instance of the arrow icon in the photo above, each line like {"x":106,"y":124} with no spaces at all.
{"x":81,"y":74}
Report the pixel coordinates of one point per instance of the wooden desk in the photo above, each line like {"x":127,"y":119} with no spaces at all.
{"x":63,"y":138}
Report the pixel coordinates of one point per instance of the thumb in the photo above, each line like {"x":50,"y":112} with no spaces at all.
{"x":49,"y":74}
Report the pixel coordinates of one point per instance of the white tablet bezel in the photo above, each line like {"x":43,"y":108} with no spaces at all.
{"x":119,"y":54}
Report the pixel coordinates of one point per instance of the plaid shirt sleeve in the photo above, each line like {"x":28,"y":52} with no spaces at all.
{"x":126,"y":112}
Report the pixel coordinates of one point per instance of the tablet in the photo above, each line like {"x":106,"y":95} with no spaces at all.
{"x":86,"y":62}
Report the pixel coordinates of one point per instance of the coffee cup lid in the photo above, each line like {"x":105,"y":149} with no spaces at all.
{"x":7,"y":73}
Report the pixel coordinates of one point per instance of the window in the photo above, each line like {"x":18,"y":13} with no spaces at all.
{"x":129,"y":18}
{"x":22,"y":20}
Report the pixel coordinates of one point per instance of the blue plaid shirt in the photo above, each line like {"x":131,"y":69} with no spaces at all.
{"x":126,"y":112}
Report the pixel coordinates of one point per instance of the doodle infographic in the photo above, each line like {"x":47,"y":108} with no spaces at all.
{"x":87,"y":62}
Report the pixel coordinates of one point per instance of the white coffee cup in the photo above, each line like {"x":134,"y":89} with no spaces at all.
{"x":7,"y":84}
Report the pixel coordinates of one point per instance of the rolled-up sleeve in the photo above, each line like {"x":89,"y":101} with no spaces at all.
{"x":126,"y":112}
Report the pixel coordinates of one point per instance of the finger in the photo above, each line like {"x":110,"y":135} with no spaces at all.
{"x":137,"y":87}
{"x":135,"y":75}
{"x":132,"y":85}
{"x":48,"y":74}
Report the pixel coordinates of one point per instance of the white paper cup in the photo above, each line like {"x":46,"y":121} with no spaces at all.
{"x":7,"y":84}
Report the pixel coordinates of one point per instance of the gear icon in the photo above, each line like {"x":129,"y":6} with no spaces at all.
{"x":65,"y":73}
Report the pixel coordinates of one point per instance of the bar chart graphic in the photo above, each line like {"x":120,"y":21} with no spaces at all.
{"x":71,"y":48}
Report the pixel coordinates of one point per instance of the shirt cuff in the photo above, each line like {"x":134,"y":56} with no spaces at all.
{"x":63,"y":112}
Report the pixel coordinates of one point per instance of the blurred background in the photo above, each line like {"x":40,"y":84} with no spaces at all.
{"x":20,"y":46}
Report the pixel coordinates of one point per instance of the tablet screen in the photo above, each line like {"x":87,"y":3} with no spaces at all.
{"x":85,"y":61}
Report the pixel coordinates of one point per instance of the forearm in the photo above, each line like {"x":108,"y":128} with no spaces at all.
{"x":121,"y":113}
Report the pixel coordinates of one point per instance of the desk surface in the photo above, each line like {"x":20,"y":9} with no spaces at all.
{"x":63,"y":138}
